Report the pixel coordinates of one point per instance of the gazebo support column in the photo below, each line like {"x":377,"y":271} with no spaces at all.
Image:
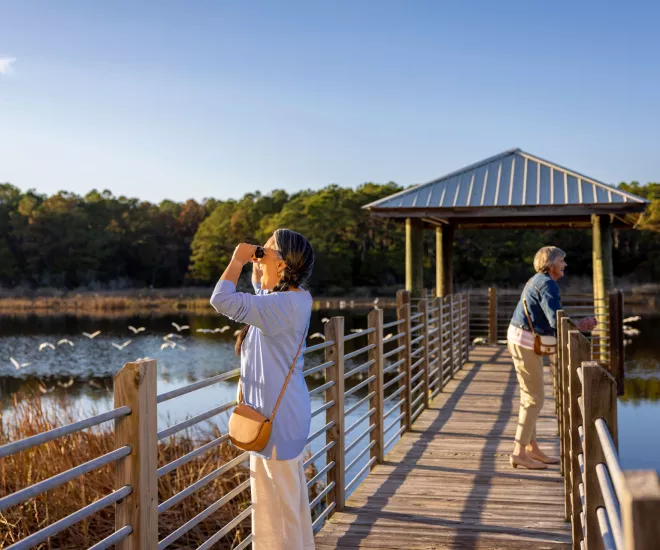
{"x":603,"y":271}
{"x":444,"y":242}
{"x":414,"y":256}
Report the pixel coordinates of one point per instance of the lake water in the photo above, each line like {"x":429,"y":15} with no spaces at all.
{"x":82,"y":370}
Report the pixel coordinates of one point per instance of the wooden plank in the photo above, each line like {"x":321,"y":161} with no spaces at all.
{"x":375,"y":320}
{"x":640,"y":510}
{"x":439,"y":303}
{"x":403,"y":313}
{"x":599,"y":401}
{"x":424,"y":320}
{"x":492,"y":315}
{"x":135,"y":386}
{"x":447,"y":482}
{"x":565,"y":437}
{"x":615,"y":331}
{"x":334,"y":330}
{"x":578,"y":351}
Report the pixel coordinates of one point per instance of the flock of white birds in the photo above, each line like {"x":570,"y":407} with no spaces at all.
{"x":168,"y":343}
{"x":169,"y":340}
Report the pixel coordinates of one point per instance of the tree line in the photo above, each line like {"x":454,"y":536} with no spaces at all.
{"x":106,"y":242}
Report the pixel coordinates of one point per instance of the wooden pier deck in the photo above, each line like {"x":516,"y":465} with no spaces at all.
{"x":448,"y":483}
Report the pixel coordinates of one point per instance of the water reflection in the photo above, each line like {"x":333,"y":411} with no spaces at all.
{"x":82,"y":373}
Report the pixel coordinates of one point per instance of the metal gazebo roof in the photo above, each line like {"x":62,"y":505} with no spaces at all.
{"x":512,"y":189}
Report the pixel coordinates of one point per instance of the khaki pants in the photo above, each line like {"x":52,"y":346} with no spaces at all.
{"x":529,"y":369}
{"x":281,"y":518}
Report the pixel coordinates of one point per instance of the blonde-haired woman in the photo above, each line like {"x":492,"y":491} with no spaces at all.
{"x":277,"y":318}
{"x":541,"y":294}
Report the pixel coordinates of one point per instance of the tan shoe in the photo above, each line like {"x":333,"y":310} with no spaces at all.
{"x":542,"y":458}
{"x":528,"y":463}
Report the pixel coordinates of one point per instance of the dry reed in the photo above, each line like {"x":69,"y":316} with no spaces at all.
{"x":31,"y":416}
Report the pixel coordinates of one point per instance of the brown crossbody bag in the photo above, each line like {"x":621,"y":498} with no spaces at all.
{"x":248,"y":428}
{"x":543,"y":345}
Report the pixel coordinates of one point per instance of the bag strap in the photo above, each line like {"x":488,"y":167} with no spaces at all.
{"x":288,"y":376}
{"x":529,"y":319}
{"x":286,"y":382}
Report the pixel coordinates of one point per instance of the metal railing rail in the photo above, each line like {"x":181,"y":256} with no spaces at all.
{"x":401,"y":366}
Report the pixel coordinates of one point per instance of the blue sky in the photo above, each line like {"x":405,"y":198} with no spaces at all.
{"x":196,"y":99}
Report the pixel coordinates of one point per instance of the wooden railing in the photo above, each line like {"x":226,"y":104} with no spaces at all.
{"x":407,"y":362}
{"x":607,"y":507}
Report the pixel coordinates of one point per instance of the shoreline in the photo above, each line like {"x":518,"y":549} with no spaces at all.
{"x":196,"y":301}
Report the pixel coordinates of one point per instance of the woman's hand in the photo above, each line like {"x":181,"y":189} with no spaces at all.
{"x":243,"y":253}
{"x":587,"y":324}
{"x":257,"y":272}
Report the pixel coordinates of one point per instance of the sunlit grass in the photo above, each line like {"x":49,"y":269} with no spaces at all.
{"x":31,"y":415}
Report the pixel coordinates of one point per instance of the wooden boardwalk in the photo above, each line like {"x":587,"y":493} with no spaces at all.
{"x":448,"y":482}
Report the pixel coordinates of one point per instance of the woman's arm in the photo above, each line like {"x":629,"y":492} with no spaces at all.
{"x":550,"y":302}
{"x":256,"y":277}
{"x":269,"y":312}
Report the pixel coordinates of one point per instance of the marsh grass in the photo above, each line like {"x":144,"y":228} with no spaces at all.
{"x":30,"y":415}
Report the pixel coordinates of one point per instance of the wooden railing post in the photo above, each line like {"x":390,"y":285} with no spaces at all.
{"x":403,"y":312}
{"x":439,"y":303}
{"x":615,"y":340}
{"x":598,"y":401}
{"x":376,"y":355}
{"x":452,"y":334}
{"x":578,"y":350}
{"x":565,"y":443}
{"x":135,"y":386}
{"x":424,"y":319}
{"x":492,"y":315}
{"x":334,"y":330}
{"x":467,"y":326}
{"x":640,"y":510}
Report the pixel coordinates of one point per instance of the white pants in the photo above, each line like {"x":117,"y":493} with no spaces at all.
{"x":281,"y":518}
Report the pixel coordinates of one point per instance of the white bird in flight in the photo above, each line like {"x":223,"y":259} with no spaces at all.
{"x":44,"y":345}
{"x":237,"y":332}
{"x":223,"y":329}
{"x":18,"y":365}
{"x":387,"y":337}
{"x":179,"y":328}
{"x":204,"y":330}
{"x":632,"y":319}
{"x":171,"y":345}
{"x":171,"y":335}
{"x":135,"y":330}
{"x":317,"y":335}
{"x":92,"y":335}
{"x":67,"y":384}
{"x":354,"y":330}
{"x":324,"y":320}
{"x":121,"y":346}
{"x":44,"y":389}
{"x":65,"y":341}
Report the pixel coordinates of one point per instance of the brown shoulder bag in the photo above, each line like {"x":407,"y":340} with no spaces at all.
{"x":248,"y":428}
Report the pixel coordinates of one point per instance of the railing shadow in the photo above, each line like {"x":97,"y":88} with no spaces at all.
{"x":356,"y":533}
{"x":465,"y":531}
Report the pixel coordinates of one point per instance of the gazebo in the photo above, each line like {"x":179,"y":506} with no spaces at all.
{"x":511,"y":190}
